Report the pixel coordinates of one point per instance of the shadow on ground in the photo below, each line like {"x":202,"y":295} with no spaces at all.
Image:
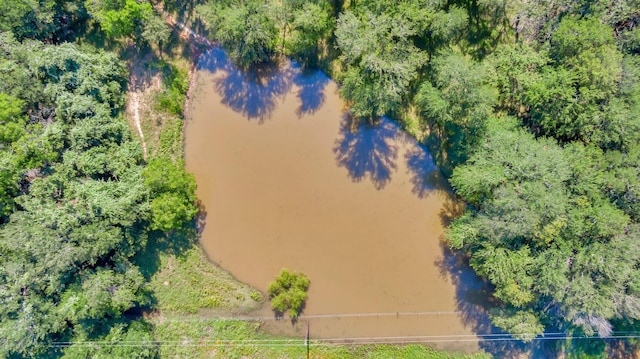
{"x":176,"y":242}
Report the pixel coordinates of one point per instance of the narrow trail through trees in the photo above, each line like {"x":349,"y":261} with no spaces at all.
{"x":138,"y":88}
{"x":134,"y":109}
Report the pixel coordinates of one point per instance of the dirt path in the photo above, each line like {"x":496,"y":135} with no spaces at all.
{"x":142,"y":81}
{"x":187,"y":33}
{"x":133,"y":107}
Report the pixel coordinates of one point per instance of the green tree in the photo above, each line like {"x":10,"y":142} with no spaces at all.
{"x":578,"y":98}
{"x":456,"y":106}
{"x":172,"y":192}
{"x":156,"y":31}
{"x":245,"y":28}
{"x":515,"y":69}
{"x":138,"y":332}
{"x":12,"y":123}
{"x":288,"y":293}
{"x":310,"y":24}
{"x":622,"y":180}
{"x":119,"y":18}
{"x":545,"y":233}
{"x":382,"y":61}
{"x":81,"y":205}
{"x":53,"y":20}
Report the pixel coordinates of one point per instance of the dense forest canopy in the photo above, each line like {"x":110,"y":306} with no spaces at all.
{"x":76,"y":201}
{"x":530,"y":107}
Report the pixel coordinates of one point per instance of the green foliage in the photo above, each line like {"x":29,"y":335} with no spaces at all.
{"x":172,"y":193}
{"x":522,"y":325}
{"x":12,"y":129}
{"x":81,"y":204}
{"x":310,"y":24}
{"x":544,"y":231}
{"x":11,"y":119}
{"x":119,"y":18}
{"x":622,"y":180}
{"x":41,"y":19}
{"x":554,"y":190}
{"x":116,"y":343}
{"x":245,"y":28}
{"x":576,"y":98}
{"x":516,"y":69}
{"x":156,"y":30}
{"x":175,"y":85}
{"x":102,"y":293}
{"x":447,"y":26}
{"x":456,"y":105}
{"x":171,"y":144}
{"x":288,"y":292}
{"x":382,"y":61}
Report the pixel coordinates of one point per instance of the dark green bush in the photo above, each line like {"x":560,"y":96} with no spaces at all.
{"x":174,"y":92}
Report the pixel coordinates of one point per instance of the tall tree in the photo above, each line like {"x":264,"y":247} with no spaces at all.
{"x":172,"y":193}
{"x":156,"y":31}
{"x":119,"y":18}
{"x":456,"y":104}
{"x":245,"y":28}
{"x":310,"y":24}
{"x":81,"y":206}
{"x":546,"y":234}
{"x":382,"y":61}
{"x":579,"y":97}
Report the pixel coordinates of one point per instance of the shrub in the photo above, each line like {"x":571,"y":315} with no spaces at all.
{"x":288,"y":293}
{"x":175,"y":86}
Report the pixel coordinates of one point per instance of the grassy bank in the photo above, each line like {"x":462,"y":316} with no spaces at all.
{"x":180,"y":277}
{"x":238,"y":339}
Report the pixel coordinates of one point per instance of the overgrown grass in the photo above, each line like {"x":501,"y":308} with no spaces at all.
{"x":175,"y":83}
{"x":239,"y":339}
{"x":169,"y":143}
{"x":188,"y":282}
{"x":162,"y":116}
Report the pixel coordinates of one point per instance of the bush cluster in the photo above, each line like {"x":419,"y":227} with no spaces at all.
{"x":288,"y":293}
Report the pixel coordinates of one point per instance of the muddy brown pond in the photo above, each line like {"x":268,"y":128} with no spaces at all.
{"x":287,"y":180}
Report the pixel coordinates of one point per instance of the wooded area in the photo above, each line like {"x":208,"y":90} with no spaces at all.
{"x":78,"y":199}
{"x":530,"y":107}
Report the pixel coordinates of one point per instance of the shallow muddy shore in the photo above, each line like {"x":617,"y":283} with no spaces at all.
{"x":287,"y":180}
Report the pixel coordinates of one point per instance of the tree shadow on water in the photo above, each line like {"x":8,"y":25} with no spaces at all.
{"x":368,"y":150}
{"x":425,"y":175}
{"x":311,"y":93}
{"x":473,"y":302}
{"x":474,"y":298}
{"x":252,"y":92}
{"x":214,"y":60}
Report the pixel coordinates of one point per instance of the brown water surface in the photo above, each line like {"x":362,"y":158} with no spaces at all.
{"x":288,"y":181}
